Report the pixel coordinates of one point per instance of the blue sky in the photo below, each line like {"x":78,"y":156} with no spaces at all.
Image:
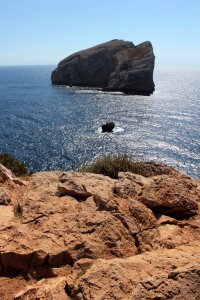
{"x":46,"y":31}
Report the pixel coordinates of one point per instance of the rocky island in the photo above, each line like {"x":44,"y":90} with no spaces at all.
{"x":84,"y":236}
{"x":117,"y":65}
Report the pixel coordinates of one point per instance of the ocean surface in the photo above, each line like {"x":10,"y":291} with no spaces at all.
{"x":56,"y":127}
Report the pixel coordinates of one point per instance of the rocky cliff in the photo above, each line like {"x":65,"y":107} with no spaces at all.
{"x":70,"y":235}
{"x":117,"y":65}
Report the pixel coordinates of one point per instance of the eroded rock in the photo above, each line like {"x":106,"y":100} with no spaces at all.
{"x":114,"y":66}
{"x":85,"y":185}
{"x":170,"y":195}
{"x":160,"y":274}
{"x":4,"y":197}
{"x":45,"y":289}
{"x":104,"y":235}
{"x":6,"y":174}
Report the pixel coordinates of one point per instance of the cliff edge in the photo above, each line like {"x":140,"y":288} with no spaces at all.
{"x":117,"y":65}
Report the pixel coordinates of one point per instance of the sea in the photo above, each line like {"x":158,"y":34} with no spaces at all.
{"x":52,"y":127}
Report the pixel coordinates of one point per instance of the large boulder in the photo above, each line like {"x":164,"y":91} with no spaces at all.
{"x":117,"y":65}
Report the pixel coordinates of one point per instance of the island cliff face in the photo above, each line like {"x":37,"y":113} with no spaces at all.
{"x":117,"y":65}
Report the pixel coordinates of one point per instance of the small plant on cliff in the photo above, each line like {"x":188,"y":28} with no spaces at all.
{"x":84,"y":269}
{"x":111,"y":165}
{"x":18,"y":210}
{"x":16,"y":166}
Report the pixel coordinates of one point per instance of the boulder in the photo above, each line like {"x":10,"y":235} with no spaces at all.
{"x":116,"y":65}
{"x":170,"y":196}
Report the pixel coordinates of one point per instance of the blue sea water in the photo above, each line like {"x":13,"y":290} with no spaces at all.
{"x":56,"y":127}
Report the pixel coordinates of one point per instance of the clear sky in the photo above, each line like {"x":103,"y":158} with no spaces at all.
{"x":46,"y":31}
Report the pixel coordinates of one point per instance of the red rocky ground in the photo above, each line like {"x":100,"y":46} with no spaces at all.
{"x":70,"y":235}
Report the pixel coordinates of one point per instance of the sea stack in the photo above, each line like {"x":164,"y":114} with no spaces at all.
{"x":108,"y":127}
{"x":116,"y":65}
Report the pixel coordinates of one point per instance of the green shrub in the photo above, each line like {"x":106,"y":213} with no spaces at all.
{"x":111,"y":165}
{"x":16,"y":166}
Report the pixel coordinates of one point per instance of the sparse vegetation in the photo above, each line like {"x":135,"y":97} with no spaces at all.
{"x":16,"y":166}
{"x":84,"y":269}
{"x":18,"y":210}
{"x":111,"y":165}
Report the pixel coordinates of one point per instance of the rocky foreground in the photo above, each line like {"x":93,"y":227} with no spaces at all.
{"x":70,"y":235}
{"x":117,"y":65}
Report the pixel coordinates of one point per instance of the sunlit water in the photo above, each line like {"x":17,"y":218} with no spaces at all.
{"x":51,"y":127}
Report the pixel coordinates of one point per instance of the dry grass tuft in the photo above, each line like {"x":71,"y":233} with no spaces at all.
{"x":111,"y":165}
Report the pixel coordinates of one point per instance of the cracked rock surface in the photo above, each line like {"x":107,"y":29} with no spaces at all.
{"x":70,"y":235}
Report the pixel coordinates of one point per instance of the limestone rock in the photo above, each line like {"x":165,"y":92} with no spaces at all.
{"x":4,"y":197}
{"x":6,"y":174}
{"x":86,"y":184}
{"x":117,"y":65}
{"x":9,"y":286}
{"x":170,"y":196}
{"x":161,"y":274}
{"x":129,"y":184}
{"x":131,"y":238}
{"x":132,"y":214}
{"x":149,"y":169}
{"x":45,"y":289}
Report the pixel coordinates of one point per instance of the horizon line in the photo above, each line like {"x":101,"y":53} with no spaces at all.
{"x":28,"y":65}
